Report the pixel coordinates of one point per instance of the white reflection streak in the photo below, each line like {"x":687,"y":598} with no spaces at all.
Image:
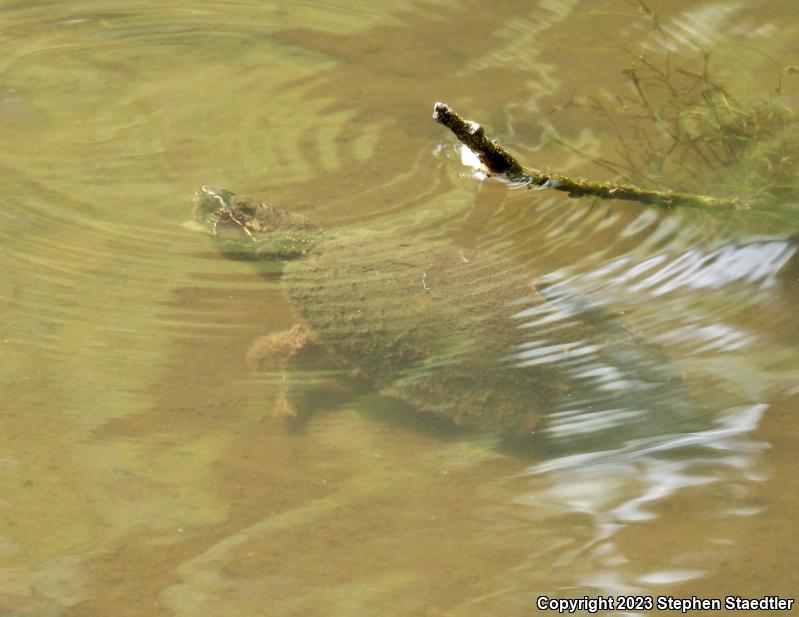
{"x":758,"y":262}
{"x":620,"y":282}
{"x":716,"y":337}
{"x":737,"y":423}
{"x":704,"y":25}
{"x":615,"y":487}
{"x":620,"y":487}
{"x":554,"y":353}
{"x":581,"y":423}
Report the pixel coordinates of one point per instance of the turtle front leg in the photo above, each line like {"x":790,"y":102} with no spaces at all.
{"x":274,"y":352}
{"x":283,"y":408}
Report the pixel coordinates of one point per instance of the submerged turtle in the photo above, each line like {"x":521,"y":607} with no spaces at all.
{"x":451,"y":336}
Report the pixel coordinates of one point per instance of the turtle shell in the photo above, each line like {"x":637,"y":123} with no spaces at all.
{"x":455,"y":337}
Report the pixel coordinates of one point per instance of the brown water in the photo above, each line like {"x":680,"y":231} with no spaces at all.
{"x":141,"y":470}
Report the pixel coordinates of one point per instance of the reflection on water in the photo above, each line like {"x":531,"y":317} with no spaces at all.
{"x":140,"y":464}
{"x":621,"y":488}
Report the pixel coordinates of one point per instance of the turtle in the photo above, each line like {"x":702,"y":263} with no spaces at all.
{"x":449,"y":335}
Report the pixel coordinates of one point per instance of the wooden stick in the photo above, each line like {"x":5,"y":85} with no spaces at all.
{"x":499,"y":161}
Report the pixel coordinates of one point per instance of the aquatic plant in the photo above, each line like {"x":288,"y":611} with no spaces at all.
{"x":690,"y":130}
{"x":678,"y":127}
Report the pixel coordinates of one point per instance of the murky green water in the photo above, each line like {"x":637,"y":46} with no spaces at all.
{"x":141,"y":469}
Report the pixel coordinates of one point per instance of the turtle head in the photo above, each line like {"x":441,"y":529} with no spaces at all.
{"x":253,"y":230}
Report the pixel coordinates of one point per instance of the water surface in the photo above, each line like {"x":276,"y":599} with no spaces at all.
{"x":141,"y":467}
